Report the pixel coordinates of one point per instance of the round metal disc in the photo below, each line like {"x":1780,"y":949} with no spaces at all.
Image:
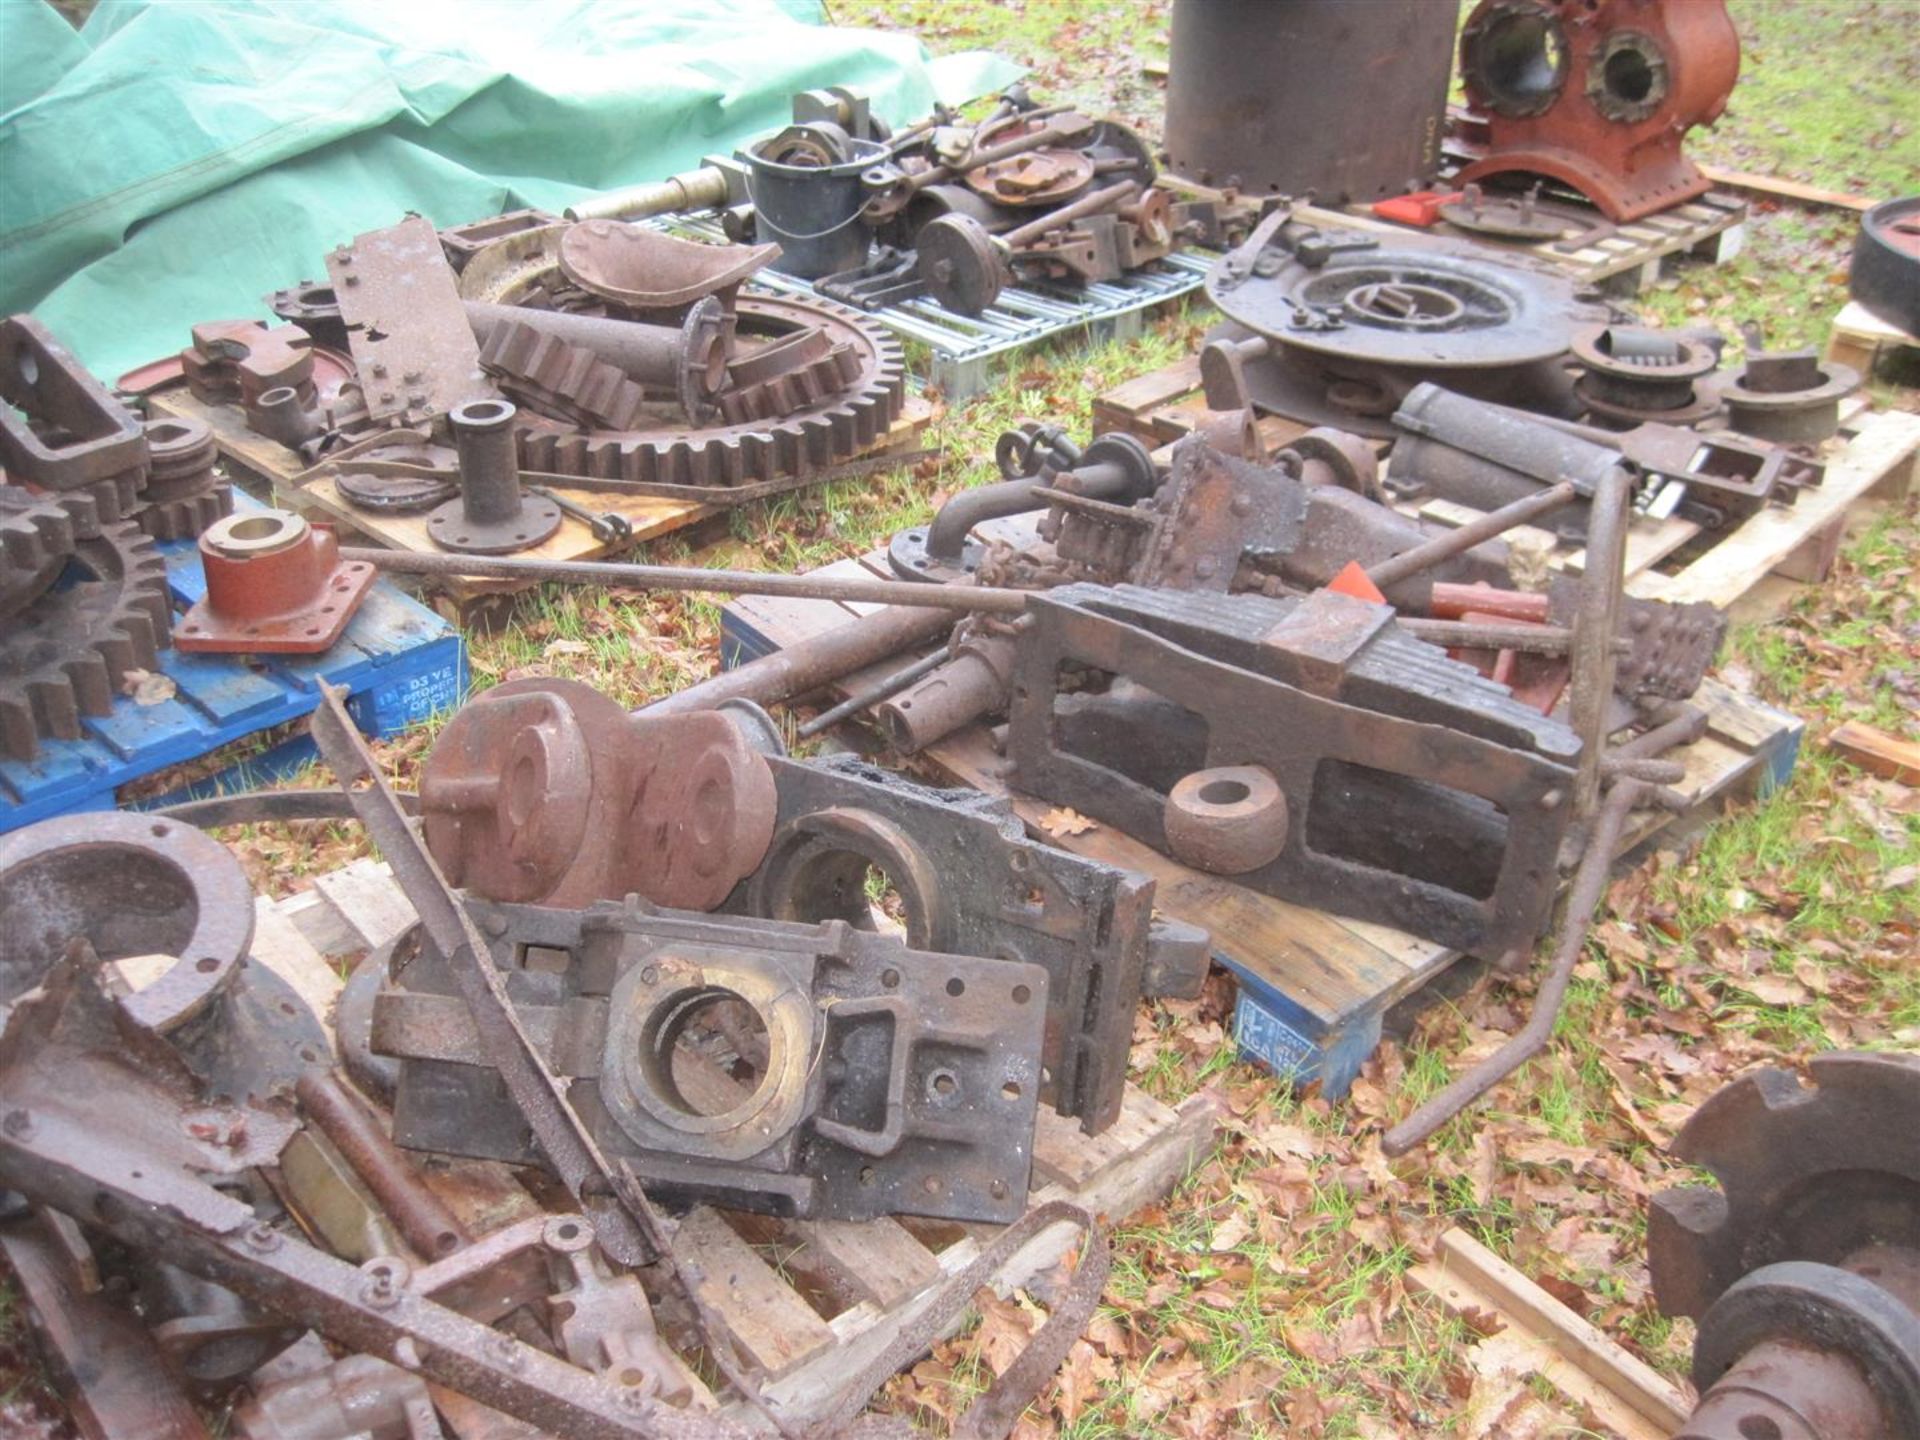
{"x":449,"y":528}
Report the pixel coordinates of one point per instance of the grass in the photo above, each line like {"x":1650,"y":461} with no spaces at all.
{"x":1777,"y":935}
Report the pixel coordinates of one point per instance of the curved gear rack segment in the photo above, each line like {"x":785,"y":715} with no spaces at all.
{"x":65,"y":653}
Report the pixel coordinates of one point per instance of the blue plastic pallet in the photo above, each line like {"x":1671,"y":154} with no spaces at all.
{"x":400,"y":662}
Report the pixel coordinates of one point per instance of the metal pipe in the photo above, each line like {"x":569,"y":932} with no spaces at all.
{"x":660,"y":356}
{"x":1589,"y":883}
{"x":947,"y":535}
{"x":974,"y":683}
{"x":1495,"y":522}
{"x":423,"y":1219}
{"x":1596,"y":623}
{"x":489,"y":468}
{"x":702,"y":189}
{"x":620,"y":575}
{"x":882,"y":689}
{"x":816,"y":661}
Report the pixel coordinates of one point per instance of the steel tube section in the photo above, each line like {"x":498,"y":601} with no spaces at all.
{"x":1495,"y":522}
{"x":947,"y":534}
{"x":816,"y":661}
{"x":651,"y":354}
{"x":423,"y":1219}
{"x":1595,"y":624}
{"x":880,"y":690}
{"x":489,"y":468}
{"x":702,"y":189}
{"x":704,"y":582}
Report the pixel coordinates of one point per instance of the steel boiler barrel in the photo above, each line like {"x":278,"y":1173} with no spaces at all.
{"x":1346,"y":98}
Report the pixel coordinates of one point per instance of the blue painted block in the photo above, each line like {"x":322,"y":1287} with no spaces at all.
{"x":1299,"y":1045}
{"x":400,"y":663}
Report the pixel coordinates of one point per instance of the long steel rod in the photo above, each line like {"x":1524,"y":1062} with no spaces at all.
{"x":1494,"y":523}
{"x":622,"y":576}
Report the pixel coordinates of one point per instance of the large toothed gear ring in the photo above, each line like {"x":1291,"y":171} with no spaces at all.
{"x":38,"y":530}
{"x":65,"y":653}
{"x":829,"y":429}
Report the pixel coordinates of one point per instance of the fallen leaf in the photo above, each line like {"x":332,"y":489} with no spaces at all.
{"x":148,"y":687}
{"x":1061,"y":821}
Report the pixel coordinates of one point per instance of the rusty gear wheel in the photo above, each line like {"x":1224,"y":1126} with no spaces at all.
{"x":183,"y":495}
{"x":65,"y":652}
{"x":823,"y":429}
{"x":1806,"y":1172}
{"x":38,"y":530}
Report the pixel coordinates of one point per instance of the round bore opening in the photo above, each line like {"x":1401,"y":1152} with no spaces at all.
{"x":483,"y":412}
{"x":1628,"y":76}
{"x":1224,"y":792}
{"x":706,"y":1052}
{"x":254,"y":528}
{"x":1522,"y":62}
{"x":834,"y":884}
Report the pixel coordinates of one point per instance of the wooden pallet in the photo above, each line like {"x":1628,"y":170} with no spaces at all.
{"x":1533,"y":1335}
{"x":1672,"y":559}
{"x":807,"y":1302}
{"x":270,"y":469}
{"x":1622,"y":259}
{"x":1315,"y":988}
{"x":1861,"y":339}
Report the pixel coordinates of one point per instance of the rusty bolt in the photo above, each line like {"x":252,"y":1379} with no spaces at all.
{"x":261,"y":1237}
{"x":379,"y":369}
{"x":382,"y":1287}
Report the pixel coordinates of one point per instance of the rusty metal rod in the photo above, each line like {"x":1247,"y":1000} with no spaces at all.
{"x":624,"y":576}
{"x":423,"y":1219}
{"x":1655,"y":772}
{"x":883,"y":689}
{"x":1432,"y":552}
{"x":1589,"y":884}
{"x":809,"y":664}
{"x":1596,"y":624}
{"x":1091,"y":203}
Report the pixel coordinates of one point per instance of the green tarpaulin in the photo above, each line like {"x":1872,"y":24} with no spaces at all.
{"x":173,"y":162}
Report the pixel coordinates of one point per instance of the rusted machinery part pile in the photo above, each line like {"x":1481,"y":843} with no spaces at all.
{"x":85,"y":489}
{"x":195,"y":1187}
{"x":1801,"y":1266}
{"x":958,"y":212}
{"x":1358,"y":331}
{"x":630,"y":358}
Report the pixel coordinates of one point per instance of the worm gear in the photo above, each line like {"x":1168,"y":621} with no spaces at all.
{"x":822,"y":431}
{"x":64,"y":653}
{"x":1803,"y":1267}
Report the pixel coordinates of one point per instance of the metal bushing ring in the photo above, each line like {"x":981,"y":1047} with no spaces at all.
{"x":1229,"y":820}
{"x":1822,"y":1306}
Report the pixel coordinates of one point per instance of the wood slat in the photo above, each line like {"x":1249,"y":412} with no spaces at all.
{"x":876,"y":1261}
{"x":279,"y":945}
{"x":365,"y":896}
{"x":1625,"y":1393}
{"x":772,"y":1326}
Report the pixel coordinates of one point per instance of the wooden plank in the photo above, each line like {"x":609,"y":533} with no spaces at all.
{"x":877,"y":1261}
{"x":366,"y":897}
{"x":1884,"y":755}
{"x":279,"y":945}
{"x":1778,"y":189}
{"x":1624,"y":1392}
{"x":1886,"y":444}
{"x":1136,"y":397}
{"x":319,"y":924}
{"x":772,"y":1326}
{"x":1064,"y":1154}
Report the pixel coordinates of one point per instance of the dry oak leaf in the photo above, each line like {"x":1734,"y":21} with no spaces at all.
{"x":1063,"y":820}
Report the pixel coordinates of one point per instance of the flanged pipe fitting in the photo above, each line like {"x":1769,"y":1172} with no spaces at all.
{"x":275,"y":585}
{"x":490,"y":516}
